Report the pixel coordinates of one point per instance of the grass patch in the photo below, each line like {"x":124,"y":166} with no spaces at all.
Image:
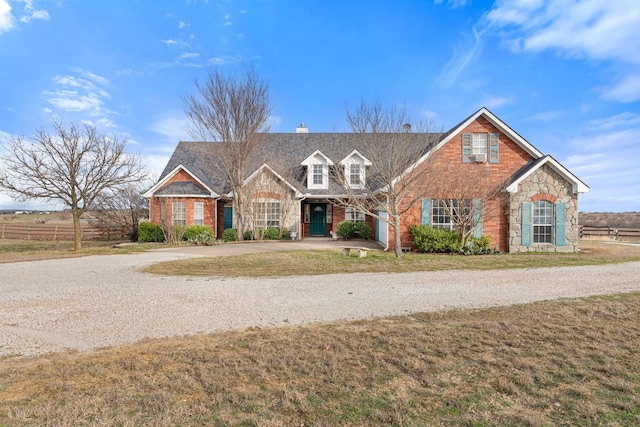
{"x":549,"y":363}
{"x":331,"y":261}
{"x":35,"y":250}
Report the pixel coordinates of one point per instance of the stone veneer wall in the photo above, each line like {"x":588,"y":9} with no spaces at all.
{"x":544,"y":184}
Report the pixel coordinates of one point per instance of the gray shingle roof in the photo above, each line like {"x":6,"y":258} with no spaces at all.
{"x":184,"y":188}
{"x":281,"y":151}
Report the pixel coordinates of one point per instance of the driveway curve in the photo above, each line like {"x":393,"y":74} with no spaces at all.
{"x":91,"y":302}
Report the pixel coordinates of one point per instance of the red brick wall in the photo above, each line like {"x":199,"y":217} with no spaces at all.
{"x":449,"y":159}
{"x":155,"y":205}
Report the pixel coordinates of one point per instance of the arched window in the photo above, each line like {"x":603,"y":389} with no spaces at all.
{"x":543,"y":222}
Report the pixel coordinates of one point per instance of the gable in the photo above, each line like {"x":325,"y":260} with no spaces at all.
{"x":180,"y":181}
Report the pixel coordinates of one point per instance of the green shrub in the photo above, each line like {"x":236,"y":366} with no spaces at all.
{"x":286,"y":234}
{"x":364,"y":230}
{"x":438,"y":240}
{"x":271,"y":234}
{"x":197,"y":230}
{"x":478,"y":246}
{"x":346,"y":229}
{"x":230,"y":235}
{"x":149,"y":232}
{"x":248,"y":235}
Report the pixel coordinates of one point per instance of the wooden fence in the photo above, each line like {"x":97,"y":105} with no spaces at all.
{"x":609,"y":233}
{"x":57,"y":232}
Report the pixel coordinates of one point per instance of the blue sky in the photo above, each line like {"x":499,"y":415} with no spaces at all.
{"x":564,"y":74}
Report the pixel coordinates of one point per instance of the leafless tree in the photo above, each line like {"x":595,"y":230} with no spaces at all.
{"x":467,"y":197}
{"x":393,"y":184}
{"x":233,"y":111}
{"x":72,"y":166}
{"x":122,"y":209}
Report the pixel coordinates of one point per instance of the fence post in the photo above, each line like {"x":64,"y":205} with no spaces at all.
{"x":3,"y":225}
{"x":29,"y":233}
{"x":55,"y":233}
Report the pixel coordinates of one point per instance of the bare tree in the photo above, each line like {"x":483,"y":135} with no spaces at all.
{"x":393,"y":184}
{"x":467,"y":198}
{"x":122,"y":209}
{"x":74,"y":166}
{"x":234,"y":111}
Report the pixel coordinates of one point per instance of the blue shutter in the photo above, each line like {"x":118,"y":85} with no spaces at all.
{"x":426,"y":212}
{"x":526,"y":224}
{"x":466,"y":148}
{"x":477,"y":218}
{"x":561,"y":217}
{"x":494,"y":148}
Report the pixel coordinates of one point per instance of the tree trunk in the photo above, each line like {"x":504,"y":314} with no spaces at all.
{"x":77,"y":232}
{"x":396,"y":229}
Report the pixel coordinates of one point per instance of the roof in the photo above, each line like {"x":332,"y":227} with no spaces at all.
{"x":286,"y":154}
{"x":280,"y":150}
{"x":531,"y":167}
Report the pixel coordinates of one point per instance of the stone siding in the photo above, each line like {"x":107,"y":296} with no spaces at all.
{"x":544,"y":184}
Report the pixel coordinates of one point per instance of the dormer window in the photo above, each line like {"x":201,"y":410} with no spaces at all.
{"x":317,"y":170}
{"x":355,"y":170}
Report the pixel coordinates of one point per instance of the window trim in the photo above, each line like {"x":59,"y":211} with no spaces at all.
{"x":479,"y":148}
{"x":178,"y":213}
{"x":543,"y":233}
{"x":198,"y":213}
{"x":266,"y":214}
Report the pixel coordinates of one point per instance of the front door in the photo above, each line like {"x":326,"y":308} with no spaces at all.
{"x":227,"y":218}
{"x":318,"y":222}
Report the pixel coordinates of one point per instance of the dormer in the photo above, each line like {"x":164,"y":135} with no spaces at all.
{"x":355,"y":170}
{"x":317,"y":170}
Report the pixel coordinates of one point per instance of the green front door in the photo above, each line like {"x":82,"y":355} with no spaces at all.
{"x":318,"y":223}
{"x":227,"y":218}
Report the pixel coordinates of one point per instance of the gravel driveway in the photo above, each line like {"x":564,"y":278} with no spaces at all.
{"x":85,"y":303}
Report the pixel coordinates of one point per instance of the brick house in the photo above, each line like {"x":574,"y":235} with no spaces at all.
{"x":536,"y":208}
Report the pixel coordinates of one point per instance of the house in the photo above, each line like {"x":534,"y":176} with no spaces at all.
{"x":536,"y":208}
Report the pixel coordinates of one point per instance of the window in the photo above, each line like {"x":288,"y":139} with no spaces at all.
{"x":178,"y":213}
{"x":443,"y":210}
{"x":267,"y":214}
{"x":354,"y":174}
{"x":479,"y":143}
{"x":198,"y":213}
{"x":318,"y":174}
{"x":351,"y":214}
{"x":542,"y":222}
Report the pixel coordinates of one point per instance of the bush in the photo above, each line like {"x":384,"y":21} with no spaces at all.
{"x":364,"y":230}
{"x":149,"y":232}
{"x":230,"y":235}
{"x":286,"y":234}
{"x":437,"y":240}
{"x":346,"y":229}
{"x":248,"y":235}
{"x":197,"y":231}
{"x":478,"y":246}
{"x":271,"y":234}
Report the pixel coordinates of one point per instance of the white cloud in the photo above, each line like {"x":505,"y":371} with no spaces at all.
{"x":31,"y":13}
{"x":625,"y":119}
{"x":7,"y":21}
{"x":494,"y":102}
{"x":460,"y":59}
{"x":608,"y":163}
{"x":173,"y":126}
{"x":601,"y":30}
{"x":83,"y":93}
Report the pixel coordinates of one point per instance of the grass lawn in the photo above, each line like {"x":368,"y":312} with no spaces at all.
{"x":572,"y":362}
{"x":549,"y":363}
{"x":332,"y":261}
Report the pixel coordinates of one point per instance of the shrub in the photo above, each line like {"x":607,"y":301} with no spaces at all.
{"x":364,"y":230}
{"x":286,"y":234}
{"x":197,"y":230}
{"x":438,"y":240}
{"x":248,"y":235}
{"x":271,"y":234}
{"x":149,"y":232}
{"x":230,"y":235}
{"x":478,"y":246}
{"x":346,"y":229}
